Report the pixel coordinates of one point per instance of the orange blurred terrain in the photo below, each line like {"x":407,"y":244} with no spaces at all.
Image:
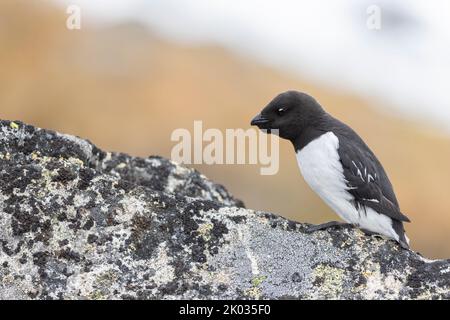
{"x":126,"y":90}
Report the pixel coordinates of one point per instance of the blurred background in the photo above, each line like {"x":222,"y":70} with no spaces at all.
{"x":137,"y":70}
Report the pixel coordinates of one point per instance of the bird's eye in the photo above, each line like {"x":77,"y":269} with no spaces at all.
{"x":280,"y":111}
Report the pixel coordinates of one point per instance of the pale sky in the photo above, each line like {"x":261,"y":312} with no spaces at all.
{"x":407,"y":62}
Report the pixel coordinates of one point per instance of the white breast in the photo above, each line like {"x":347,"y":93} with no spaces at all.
{"x":321,"y":168}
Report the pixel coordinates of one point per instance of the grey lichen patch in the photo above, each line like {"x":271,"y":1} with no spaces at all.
{"x":80,"y":223}
{"x":389,"y":284}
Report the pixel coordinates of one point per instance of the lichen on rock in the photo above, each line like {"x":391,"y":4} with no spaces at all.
{"x":80,"y":223}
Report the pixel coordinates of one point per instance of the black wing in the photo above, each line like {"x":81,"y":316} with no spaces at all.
{"x":366,"y":178}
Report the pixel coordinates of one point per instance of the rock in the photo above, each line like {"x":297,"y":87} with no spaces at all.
{"x":80,"y":223}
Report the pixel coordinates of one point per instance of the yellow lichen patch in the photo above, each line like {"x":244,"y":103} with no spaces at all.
{"x":14,"y":125}
{"x":6,"y":156}
{"x":253,"y":292}
{"x":76,"y":161}
{"x":329,"y":280}
{"x":121,"y":165}
{"x":205,"y":230}
{"x":106,"y":278}
{"x":97,"y":295}
{"x":256,"y":281}
{"x":366,"y":273}
{"x":8,"y":279}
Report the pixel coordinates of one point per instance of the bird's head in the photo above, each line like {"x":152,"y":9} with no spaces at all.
{"x":290,"y":112}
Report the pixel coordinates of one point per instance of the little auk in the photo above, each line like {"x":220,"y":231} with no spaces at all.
{"x":337,"y":165}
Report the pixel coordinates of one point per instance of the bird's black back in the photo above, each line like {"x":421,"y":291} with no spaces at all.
{"x":366,"y":178}
{"x":353,"y":148}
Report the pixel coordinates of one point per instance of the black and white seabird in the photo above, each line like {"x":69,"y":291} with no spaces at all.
{"x":337,"y":165}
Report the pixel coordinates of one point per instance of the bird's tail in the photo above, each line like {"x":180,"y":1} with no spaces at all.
{"x":400,"y":230}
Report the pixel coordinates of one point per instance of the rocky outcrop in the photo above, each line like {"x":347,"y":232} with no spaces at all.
{"x":80,"y":223}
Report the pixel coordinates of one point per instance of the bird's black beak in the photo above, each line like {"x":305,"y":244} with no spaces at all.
{"x":259,"y":120}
